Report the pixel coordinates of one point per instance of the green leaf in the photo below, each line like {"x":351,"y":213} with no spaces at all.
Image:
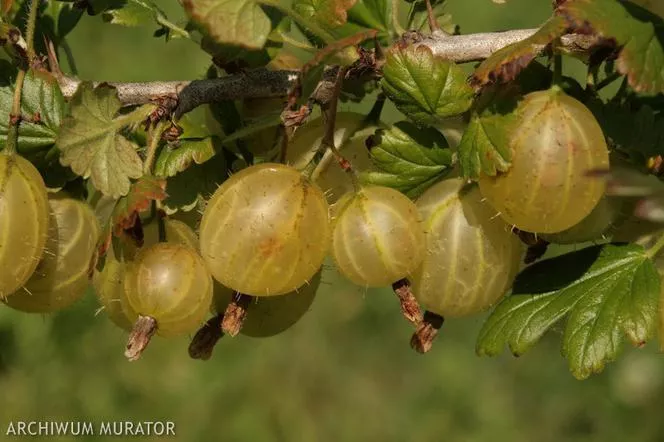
{"x":173,"y":160}
{"x":372,"y":14}
{"x":605,"y":292}
{"x":484,"y":146}
{"x":59,"y":18}
{"x":133,"y":13}
{"x":236,"y":22}
{"x":424,"y":87}
{"x":198,"y":181}
{"x":505,"y":64}
{"x":40,"y":95}
{"x":408,"y":158}
{"x":91,"y":145}
{"x":640,"y":37}
{"x":327,"y":13}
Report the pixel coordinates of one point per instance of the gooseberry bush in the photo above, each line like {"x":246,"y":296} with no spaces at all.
{"x":505,"y":188}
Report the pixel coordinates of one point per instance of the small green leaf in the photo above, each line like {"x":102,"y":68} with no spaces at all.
{"x":198,"y":181}
{"x":327,"y":13}
{"x":372,"y":14}
{"x":424,"y":87}
{"x":40,"y":95}
{"x":133,"y":13}
{"x":484,"y":146}
{"x":236,"y":22}
{"x":91,"y":145}
{"x":60,"y":18}
{"x":505,"y":64}
{"x":408,"y":158}
{"x":605,"y":292}
{"x":173,"y":160}
{"x":641,"y":38}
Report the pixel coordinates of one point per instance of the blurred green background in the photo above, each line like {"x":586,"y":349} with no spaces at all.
{"x":345,"y":372}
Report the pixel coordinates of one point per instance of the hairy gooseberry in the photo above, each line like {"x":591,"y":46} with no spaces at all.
{"x":61,"y":277}
{"x":265,"y":231}
{"x":471,"y":255}
{"x":109,"y":282}
{"x":555,"y":144}
{"x":169,"y":283}
{"x":23,"y":221}
{"x":377,"y":238}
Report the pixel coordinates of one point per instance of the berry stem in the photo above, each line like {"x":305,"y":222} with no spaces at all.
{"x":409,"y":305}
{"x":426,"y":332}
{"x":557,"y":69}
{"x":235,"y":314}
{"x":206,"y":338}
{"x":139,"y":338}
{"x":154,"y":137}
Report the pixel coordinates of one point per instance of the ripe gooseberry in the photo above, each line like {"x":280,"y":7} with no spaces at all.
{"x":23,"y":221}
{"x":556,"y":142}
{"x":471,"y":255}
{"x":169,"y":289}
{"x":265,"y":231}
{"x":377,"y":238}
{"x":61,"y":277}
{"x":109,"y":282}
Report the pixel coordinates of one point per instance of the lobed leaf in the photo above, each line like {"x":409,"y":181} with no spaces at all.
{"x":505,"y":64}
{"x":91,"y":145}
{"x":408,"y":159}
{"x":606,"y":292}
{"x":235,"y":22}
{"x":424,"y":87}
{"x":639,"y":36}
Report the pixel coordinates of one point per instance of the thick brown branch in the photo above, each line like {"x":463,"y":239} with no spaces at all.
{"x":262,"y":83}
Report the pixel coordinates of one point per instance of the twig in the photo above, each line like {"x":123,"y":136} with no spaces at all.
{"x":11,"y":145}
{"x":262,"y":83}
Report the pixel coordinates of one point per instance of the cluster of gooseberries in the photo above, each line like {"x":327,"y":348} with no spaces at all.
{"x":255,"y":263}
